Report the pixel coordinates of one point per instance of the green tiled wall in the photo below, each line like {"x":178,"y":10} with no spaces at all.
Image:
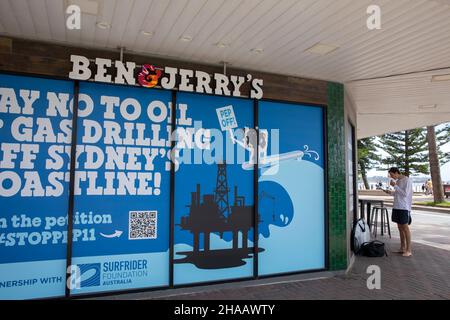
{"x":336,"y":177}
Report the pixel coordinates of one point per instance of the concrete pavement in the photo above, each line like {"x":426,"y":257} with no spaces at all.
{"x":425,"y":275}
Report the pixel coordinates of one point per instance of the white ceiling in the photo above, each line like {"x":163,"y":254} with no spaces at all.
{"x":399,"y":103}
{"x":415,"y":36}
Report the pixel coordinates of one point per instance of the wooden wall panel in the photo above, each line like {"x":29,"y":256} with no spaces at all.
{"x":41,"y":58}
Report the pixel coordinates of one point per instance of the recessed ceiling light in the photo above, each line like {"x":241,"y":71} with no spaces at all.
{"x":147,"y":33}
{"x":103,"y":25}
{"x":322,"y":49}
{"x":222,"y":45}
{"x":428,"y":106}
{"x":186,"y":38}
{"x":86,"y":6}
{"x":257,"y":50}
{"x":440,"y":77}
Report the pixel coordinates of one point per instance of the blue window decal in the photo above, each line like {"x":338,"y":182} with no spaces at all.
{"x":291,"y":192}
{"x":35,"y":135}
{"x":213,"y":193}
{"x":122,"y":186}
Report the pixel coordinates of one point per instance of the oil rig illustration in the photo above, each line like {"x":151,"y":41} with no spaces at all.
{"x":215,"y":215}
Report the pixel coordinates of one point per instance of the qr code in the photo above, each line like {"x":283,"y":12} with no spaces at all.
{"x":142,"y":225}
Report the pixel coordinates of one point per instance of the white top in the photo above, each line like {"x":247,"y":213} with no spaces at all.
{"x":403,"y":192}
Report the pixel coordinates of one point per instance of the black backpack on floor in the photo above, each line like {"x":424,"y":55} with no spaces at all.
{"x":373,"y":249}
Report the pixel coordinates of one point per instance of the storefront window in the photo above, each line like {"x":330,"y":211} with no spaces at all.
{"x":35,"y":136}
{"x":122,"y":197}
{"x":122,"y":188}
{"x":291,"y":189}
{"x":351,"y":169}
{"x":213,"y":191}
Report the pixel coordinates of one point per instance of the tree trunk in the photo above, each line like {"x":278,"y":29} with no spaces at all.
{"x":438,"y":190}
{"x":407,"y":153}
{"x":364,"y":176}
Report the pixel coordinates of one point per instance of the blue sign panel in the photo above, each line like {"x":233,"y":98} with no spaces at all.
{"x":213,"y":190}
{"x":122,"y":189}
{"x":291,"y":188}
{"x":35,"y":137}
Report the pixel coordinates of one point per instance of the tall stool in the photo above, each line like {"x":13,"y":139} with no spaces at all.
{"x":384,"y":223}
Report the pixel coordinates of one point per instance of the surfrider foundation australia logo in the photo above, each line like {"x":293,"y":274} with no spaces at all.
{"x":90,"y":274}
{"x":107,"y":273}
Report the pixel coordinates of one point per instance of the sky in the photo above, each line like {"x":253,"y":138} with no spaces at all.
{"x":445,"y":169}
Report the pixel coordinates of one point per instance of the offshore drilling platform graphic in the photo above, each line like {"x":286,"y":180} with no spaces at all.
{"x":214,"y":215}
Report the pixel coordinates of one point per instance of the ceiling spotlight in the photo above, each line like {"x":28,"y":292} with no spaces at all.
{"x":86,"y":6}
{"x":103,"y":25}
{"x":322,"y":49}
{"x":222,"y":45}
{"x":440,"y":77}
{"x":428,"y":106}
{"x":147,"y":33}
{"x":186,"y":38}
{"x":257,"y":50}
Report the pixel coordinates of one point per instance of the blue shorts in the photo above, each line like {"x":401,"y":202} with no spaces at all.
{"x":401,"y":216}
